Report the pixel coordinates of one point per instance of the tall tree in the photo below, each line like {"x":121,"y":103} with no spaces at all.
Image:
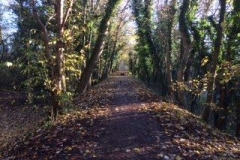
{"x":215,"y":60}
{"x":149,"y":37}
{"x":143,"y":13}
{"x":57,"y":66}
{"x":99,"y":45}
{"x":115,"y":40}
{"x":170,"y":20}
{"x":185,"y":49}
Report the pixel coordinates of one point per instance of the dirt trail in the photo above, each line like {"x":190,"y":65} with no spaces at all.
{"x":121,"y":119}
{"x":131,"y":133}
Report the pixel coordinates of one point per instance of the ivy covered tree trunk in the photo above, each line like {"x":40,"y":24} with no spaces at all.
{"x":98,"y":48}
{"x":169,"y":48}
{"x":231,"y":51}
{"x":149,"y":37}
{"x":185,"y":50}
{"x":142,"y":11}
{"x":221,"y":115}
{"x":214,"y":62}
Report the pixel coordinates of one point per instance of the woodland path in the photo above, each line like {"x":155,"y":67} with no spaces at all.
{"x":121,"y":119}
{"x":131,"y":133}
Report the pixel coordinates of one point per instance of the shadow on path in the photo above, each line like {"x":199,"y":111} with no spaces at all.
{"x":130,"y":132}
{"x":123,"y":122}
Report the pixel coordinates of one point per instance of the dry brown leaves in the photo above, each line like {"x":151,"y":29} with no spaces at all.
{"x":68,"y":138}
{"x":195,"y":139}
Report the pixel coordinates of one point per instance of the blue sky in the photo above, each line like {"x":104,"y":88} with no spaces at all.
{"x":8,"y":24}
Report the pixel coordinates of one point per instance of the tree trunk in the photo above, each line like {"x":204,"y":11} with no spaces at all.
{"x":150,"y":38}
{"x":169,"y":49}
{"x":186,"y":46}
{"x":234,"y":31}
{"x":143,"y":15}
{"x":58,"y":70}
{"x":215,"y":59}
{"x":109,"y":50}
{"x":237,"y":112}
{"x":221,"y":123}
{"x":108,"y":65}
{"x":97,"y":51}
{"x":60,"y":61}
{"x":3,"y":45}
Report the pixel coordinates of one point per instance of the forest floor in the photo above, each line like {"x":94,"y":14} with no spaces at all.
{"x":16,"y":117}
{"x":121,"y":119}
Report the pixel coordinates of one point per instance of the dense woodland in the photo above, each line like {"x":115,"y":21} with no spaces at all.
{"x":187,"y":50}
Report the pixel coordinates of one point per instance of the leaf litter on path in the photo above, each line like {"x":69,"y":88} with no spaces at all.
{"x":125,"y":120}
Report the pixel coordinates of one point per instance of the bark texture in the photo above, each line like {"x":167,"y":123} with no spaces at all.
{"x":186,"y":47}
{"x":57,"y":66}
{"x":215,"y":59}
{"x":99,"y":46}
